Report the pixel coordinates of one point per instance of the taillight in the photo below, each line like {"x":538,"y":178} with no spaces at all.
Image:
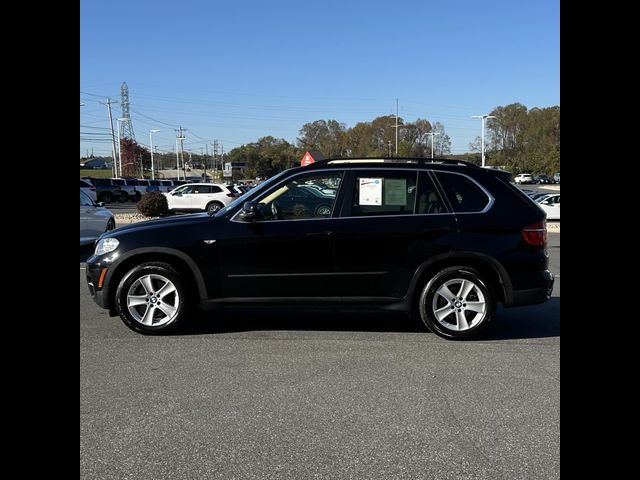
{"x":536,"y":234}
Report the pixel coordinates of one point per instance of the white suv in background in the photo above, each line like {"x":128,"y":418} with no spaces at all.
{"x":208,"y":197}
{"x":523,"y":178}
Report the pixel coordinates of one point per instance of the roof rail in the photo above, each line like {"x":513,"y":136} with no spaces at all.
{"x":416,"y":160}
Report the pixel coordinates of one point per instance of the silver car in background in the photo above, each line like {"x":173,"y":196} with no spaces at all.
{"x":94,"y":219}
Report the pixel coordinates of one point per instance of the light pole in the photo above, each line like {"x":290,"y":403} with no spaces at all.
{"x":120,"y":147}
{"x":483,"y":117}
{"x":151,"y":132}
{"x":396,"y":126}
{"x":432,"y":134}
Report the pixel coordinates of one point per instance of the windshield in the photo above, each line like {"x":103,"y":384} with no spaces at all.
{"x":243,"y":198}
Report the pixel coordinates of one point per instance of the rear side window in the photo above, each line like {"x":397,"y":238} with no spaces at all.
{"x":116,"y":181}
{"x":215,"y":189}
{"x":429,"y":200}
{"x":101,"y":182}
{"x":463,"y":193}
{"x":384,"y":193}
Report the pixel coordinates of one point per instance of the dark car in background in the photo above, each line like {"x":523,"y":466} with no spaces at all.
{"x":443,"y":239}
{"x":542,"y":179}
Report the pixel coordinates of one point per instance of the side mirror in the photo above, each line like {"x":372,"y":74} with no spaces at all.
{"x":100,"y":204}
{"x":249,"y":212}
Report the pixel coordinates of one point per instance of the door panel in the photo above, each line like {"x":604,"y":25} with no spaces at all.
{"x":380,"y":242}
{"x":288,"y":250}
{"x":277,"y":259}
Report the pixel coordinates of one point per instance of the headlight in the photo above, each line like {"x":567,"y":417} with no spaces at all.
{"x":106,"y":245}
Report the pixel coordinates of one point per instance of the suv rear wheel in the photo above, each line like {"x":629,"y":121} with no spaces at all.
{"x":151,"y":298}
{"x":457,"y":303}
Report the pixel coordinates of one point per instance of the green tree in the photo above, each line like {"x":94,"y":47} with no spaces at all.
{"x":441,"y":141}
{"x":326,"y":136}
{"x":266,"y":157}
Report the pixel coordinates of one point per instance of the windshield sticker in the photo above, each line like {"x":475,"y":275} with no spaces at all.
{"x":370,"y":191}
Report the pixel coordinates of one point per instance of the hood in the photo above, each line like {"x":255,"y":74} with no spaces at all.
{"x":173,"y":221}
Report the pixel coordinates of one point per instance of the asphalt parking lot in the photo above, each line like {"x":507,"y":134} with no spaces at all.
{"x":324,"y":395}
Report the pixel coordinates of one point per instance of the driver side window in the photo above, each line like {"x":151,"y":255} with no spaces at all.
{"x":302,"y":197}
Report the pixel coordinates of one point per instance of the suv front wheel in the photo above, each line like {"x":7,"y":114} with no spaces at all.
{"x":213,"y":207}
{"x":151,"y":298}
{"x":457,"y":303}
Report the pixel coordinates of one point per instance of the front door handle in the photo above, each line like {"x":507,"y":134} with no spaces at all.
{"x":319,"y":235}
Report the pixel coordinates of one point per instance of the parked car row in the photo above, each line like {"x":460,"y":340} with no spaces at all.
{"x":108,"y":190}
{"x":549,"y":202}
{"x":526,"y":178}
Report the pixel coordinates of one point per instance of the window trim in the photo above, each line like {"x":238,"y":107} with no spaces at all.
{"x":348,"y":175}
{"x":473,"y":180}
{"x":338,"y":200}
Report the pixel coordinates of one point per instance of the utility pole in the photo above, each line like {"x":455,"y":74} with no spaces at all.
{"x":177,"y":159}
{"x":151,"y":132}
{"x":389,"y":147}
{"x":206,"y":154}
{"x":396,"y":127}
{"x":113,"y":138}
{"x":181,"y":138}
{"x":215,"y":161}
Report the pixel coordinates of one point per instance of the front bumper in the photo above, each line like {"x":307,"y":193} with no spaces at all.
{"x":93,"y":273}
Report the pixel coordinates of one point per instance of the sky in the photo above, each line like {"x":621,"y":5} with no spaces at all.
{"x":238,"y":71}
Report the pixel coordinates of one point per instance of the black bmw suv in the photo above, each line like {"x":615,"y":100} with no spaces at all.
{"x":442,"y":238}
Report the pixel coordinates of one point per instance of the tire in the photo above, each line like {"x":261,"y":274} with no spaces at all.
{"x":150,"y":313}
{"x":106,"y":197}
{"x":446,"y":309}
{"x":111,"y":224}
{"x":213,"y":207}
{"x":323,"y":211}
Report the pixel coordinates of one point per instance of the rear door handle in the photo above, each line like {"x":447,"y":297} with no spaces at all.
{"x":319,"y":235}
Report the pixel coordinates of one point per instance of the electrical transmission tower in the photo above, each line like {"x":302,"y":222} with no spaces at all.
{"x":127,"y":126}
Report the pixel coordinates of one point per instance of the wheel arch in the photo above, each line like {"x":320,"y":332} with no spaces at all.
{"x":183,"y":264}
{"x":494,"y":273}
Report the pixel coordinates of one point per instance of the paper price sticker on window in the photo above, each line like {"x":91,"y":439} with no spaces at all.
{"x":370,"y":191}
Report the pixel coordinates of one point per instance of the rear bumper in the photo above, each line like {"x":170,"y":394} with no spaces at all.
{"x":531,"y":296}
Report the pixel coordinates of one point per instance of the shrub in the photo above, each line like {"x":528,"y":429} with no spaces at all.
{"x":153,"y":204}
